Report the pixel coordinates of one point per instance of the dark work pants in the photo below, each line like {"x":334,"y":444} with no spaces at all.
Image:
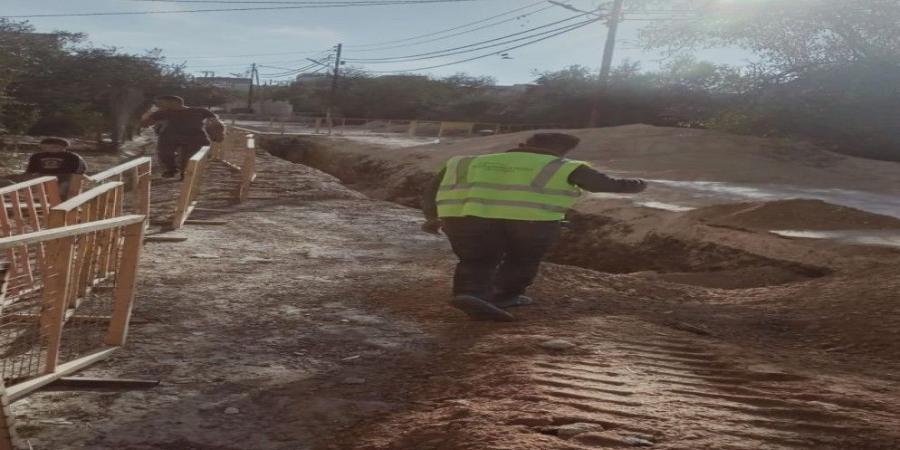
{"x":498,"y":258}
{"x":175,"y":155}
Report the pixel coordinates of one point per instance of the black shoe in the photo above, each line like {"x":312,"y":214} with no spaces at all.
{"x":512,"y":302}
{"x":169,"y":174}
{"x":478,"y":309}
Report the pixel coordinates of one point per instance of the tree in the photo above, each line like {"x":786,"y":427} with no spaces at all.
{"x":51,"y":83}
{"x":827,"y":69}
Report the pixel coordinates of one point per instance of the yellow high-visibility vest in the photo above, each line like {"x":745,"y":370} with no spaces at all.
{"x":512,"y":185}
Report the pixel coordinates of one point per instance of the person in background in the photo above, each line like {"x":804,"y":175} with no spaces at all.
{"x":503,"y":211}
{"x":182,"y":131}
{"x":55,"y":159}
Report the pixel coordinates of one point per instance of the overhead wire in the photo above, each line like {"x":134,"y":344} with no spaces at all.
{"x":310,"y":52}
{"x":294,"y":70}
{"x":472,"y":47}
{"x":447,"y":30}
{"x":566,"y":30}
{"x":232,"y":9}
{"x":441,"y":38}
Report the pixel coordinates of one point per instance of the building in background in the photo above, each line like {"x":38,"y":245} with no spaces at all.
{"x":313,"y":78}
{"x":228,"y":83}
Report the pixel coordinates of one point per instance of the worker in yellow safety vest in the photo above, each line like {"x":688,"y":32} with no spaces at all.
{"x":502,"y":212}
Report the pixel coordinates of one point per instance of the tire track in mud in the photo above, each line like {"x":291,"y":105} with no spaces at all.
{"x":681,"y":394}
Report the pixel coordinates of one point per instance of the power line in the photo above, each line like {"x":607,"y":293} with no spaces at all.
{"x":242,"y":64}
{"x":254,"y":8}
{"x":287,"y":2}
{"x":247,"y":55}
{"x":459,"y":27}
{"x":498,"y":52}
{"x":441,"y":38}
{"x":454,"y":51}
{"x":288,"y":72}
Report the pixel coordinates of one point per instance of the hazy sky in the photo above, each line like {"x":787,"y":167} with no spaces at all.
{"x":205,"y":40}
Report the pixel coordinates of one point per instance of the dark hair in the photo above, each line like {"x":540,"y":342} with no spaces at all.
{"x":55,"y":141}
{"x":171,"y":97}
{"x":558,"y":141}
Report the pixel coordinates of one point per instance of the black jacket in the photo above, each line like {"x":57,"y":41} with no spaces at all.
{"x":56,"y":163}
{"x":584,"y":177}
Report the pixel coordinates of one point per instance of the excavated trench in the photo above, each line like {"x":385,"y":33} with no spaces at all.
{"x":590,"y":241}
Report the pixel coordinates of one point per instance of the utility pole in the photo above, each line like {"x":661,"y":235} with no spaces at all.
{"x":612,"y":25}
{"x":253,"y":73}
{"x":332,"y":97}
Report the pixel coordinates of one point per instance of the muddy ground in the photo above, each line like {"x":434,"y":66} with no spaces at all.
{"x":316,"y":318}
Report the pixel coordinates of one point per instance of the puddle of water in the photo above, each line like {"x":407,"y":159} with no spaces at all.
{"x":856,"y":237}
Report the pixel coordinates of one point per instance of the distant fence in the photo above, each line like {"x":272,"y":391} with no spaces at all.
{"x":410,"y":127}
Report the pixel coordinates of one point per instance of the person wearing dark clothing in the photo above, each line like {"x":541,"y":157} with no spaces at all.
{"x":503,"y":212}
{"x":181,"y":131}
{"x":55,"y":159}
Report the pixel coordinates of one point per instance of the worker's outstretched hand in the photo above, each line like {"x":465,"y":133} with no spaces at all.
{"x":432,"y":226}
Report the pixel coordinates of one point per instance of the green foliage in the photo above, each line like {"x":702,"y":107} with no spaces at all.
{"x":51,"y":84}
{"x":828,"y":70}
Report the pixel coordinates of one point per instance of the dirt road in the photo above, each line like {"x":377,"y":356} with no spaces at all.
{"x":317,"y":319}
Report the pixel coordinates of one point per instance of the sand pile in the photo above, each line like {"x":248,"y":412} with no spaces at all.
{"x":797,"y":214}
{"x":690,"y":155}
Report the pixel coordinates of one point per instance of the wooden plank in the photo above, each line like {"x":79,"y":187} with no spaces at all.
{"x":126,"y":280}
{"x":57,"y":271}
{"x":70,"y":317}
{"x":120,"y":169}
{"x":6,"y":230}
{"x":213,"y":210}
{"x":165,"y":239}
{"x":71,"y":230}
{"x":184,"y":198}
{"x":102,"y":383}
{"x":118,"y":210}
{"x":26,"y":184}
{"x":76,"y":183}
{"x":52,"y":188}
{"x":24,"y":264}
{"x":108,"y":256}
{"x":142,"y":190}
{"x":205,"y":222}
{"x":88,"y":261}
{"x":35,"y":222}
{"x":9,"y":439}
{"x":45,"y":200}
{"x":85,"y":197}
{"x":20,"y":390}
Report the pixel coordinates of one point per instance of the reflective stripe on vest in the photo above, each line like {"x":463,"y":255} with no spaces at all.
{"x":515,"y":203}
{"x":518,"y":186}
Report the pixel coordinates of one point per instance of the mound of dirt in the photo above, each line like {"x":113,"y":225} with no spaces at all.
{"x":796,"y":214}
{"x":690,"y":155}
